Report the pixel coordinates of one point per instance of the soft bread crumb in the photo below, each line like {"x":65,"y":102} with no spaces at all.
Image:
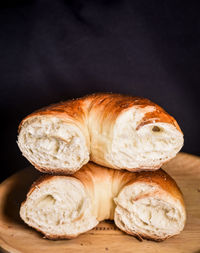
{"x":51,"y":143}
{"x":146,"y":147}
{"x":147,"y":204}
{"x":59,"y":207}
{"x":133,"y":135}
{"x":148,"y":211}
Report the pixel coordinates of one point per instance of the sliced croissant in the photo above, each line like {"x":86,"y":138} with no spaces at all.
{"x":143,"y":204}
{"x":112,"y":130}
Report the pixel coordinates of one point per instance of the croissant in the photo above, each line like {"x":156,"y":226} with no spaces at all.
{"x":113,"y":130}
{"x":144,"y":204}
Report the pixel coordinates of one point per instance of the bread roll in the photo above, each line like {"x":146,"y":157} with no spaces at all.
{"x":112,"y":130}
{"x":143,"y":204}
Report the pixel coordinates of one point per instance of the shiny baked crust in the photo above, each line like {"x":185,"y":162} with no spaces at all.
{"x":113,"y":130}
{"x":143,"y":204}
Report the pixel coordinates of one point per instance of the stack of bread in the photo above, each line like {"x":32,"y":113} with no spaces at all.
{"x":103,"y":154}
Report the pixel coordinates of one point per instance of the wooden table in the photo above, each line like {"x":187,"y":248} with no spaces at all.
{"x":17,"y":237}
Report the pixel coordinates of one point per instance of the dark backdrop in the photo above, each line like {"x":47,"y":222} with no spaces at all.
{"x":55,"y":50}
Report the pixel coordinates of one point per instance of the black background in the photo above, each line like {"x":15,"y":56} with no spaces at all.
{"x":55,"y":50}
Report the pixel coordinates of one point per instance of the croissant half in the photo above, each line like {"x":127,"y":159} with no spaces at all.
{"x":144,"y":204}
{"x":112,"y":130}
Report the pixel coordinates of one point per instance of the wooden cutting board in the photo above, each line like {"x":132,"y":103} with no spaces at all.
{"x":16,"y":237}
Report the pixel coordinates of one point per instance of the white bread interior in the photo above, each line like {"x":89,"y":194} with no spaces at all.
{"x":145,"y":204}
{"x":146,"y":147}
{"x":109,"y":130}
{"x":51,"y":143}
{"x":148,"y":211}
{"x":59,"y":208}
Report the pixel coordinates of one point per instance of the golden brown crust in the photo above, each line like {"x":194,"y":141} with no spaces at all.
{"x":111,"y":105}
{"x":94,"y":173}
{"x":93,"y":176}
{"x":108,"y":105}
{"x":101,"y":110}
{"x":71,"y":109}
{"x":163,"y":180}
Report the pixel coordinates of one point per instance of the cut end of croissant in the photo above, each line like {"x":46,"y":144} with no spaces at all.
{"x":59,"y":208}
{"x":53,"y":145}
{"x":146,"y":211}
{"x":147,"y":145}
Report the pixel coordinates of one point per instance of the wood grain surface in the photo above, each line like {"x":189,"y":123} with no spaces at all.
{"x":17,"y":237}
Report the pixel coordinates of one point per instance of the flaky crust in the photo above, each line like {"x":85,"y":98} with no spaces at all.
{"x":102,"y":184}
{"x":96,"y":115}
{"x":108,"y":105}
{"x":92,"y":174}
